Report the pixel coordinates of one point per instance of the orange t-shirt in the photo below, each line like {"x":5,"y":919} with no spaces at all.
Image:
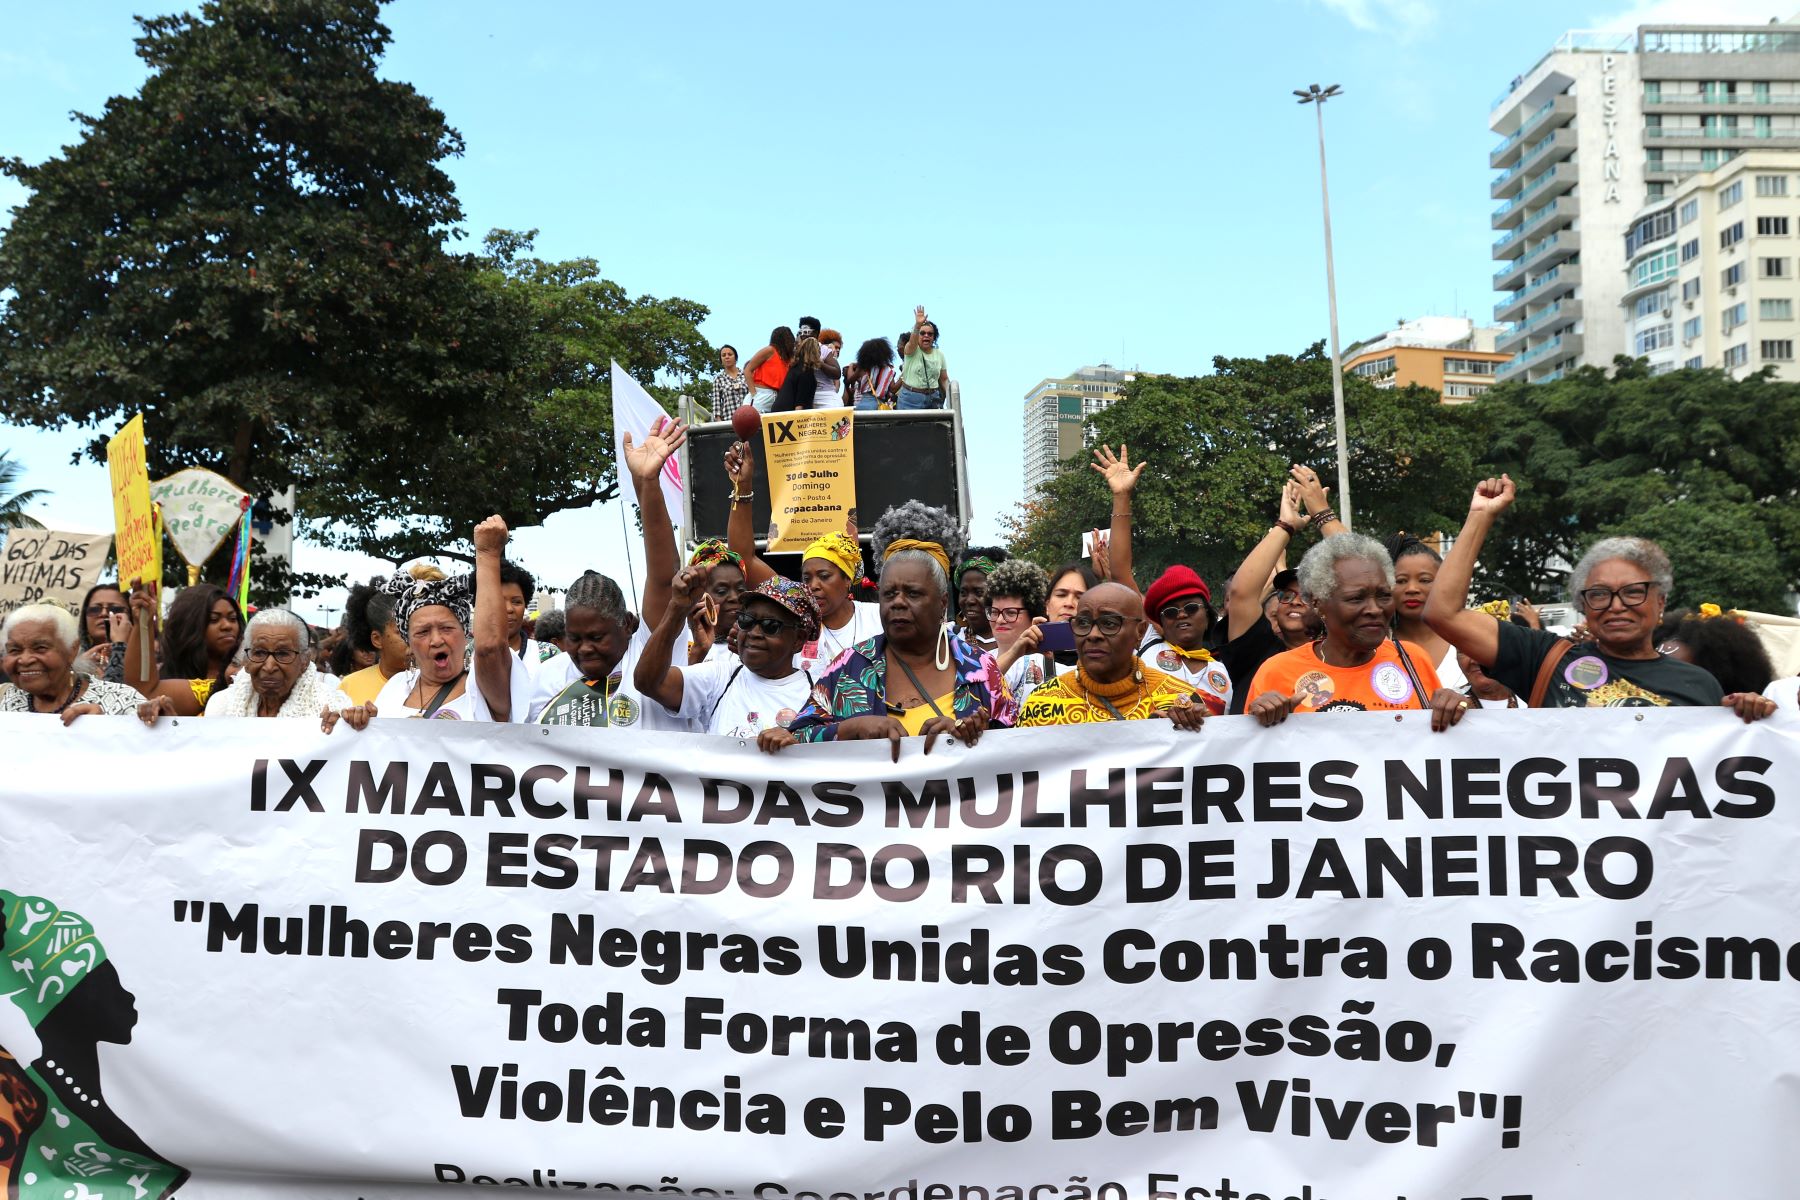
{"x":1379,"y":685}
{"x":772,"y":373}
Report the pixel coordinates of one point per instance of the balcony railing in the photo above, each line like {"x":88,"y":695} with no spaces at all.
{"x":1729,"y":101}
{"x":1525,"y":126}
{"x":1720,"y":132}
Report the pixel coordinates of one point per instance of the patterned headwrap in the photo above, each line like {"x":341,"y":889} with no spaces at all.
{"x":456,"y":593}
{"x":932,"y":548}
{"x":48,"y":952}
{"x":840,"y":550}
{"x":793,"y":597}
{"x":713,"y":553}
{"x":978,"y":562}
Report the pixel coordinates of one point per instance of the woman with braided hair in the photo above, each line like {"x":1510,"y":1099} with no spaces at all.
{"x":593,"y":684}
{"x":916,"y":676}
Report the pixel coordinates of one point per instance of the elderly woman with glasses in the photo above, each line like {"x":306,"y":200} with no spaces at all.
{"x":38,"y":647}
{"x":279,"y":678}
{"x":1110,"y":682}
{"x":1621,"y":586}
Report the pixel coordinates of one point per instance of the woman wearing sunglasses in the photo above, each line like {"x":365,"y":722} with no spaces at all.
{"x":1621,"y":586}
{"x":1179,"y":608}
{"x":734,"y":695}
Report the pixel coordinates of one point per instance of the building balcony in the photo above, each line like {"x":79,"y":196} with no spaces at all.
{"x":1701,"y":105}
{"x":1511,"y":277}
{"x":1551,"y":250}
{"x":1515,"y":179}
{"x":1511,"y":307}
{"x":1552,"y":112}
{"x":1564,"y":311}
{"x":1741,"y":137}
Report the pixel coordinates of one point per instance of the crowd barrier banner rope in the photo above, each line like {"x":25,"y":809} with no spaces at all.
{"x":1546,"y":955}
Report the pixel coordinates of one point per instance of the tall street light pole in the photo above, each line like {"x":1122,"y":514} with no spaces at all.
{"x":1317,"y":96}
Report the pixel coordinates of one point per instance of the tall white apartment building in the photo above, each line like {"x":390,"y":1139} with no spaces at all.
{"x":1596,"y":134}
{"x":1725,"y":280}
{"x":1054,"y":412}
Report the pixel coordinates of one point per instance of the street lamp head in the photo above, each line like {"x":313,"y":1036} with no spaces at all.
{"x":1317,"y":94}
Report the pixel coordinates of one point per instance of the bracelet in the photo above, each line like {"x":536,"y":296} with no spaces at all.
{"x":1322,"y":518}
{"x":1287,"y":527}
{"x":745,"y":498}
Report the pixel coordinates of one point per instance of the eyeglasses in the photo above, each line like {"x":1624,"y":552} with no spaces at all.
{"x":1005,"y":614}
{"x":1173,"y":612}
{"x":1109,"y":623}
{"x":771,"y":626}
{"x":94,"y":610}
{"x":1601,"y":598}
{"x":284,"y":657}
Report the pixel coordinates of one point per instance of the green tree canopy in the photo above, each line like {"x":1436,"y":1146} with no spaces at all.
{"x":1699,"y":462}
{"x":1219,"y":448}
{"x":251,"y":252}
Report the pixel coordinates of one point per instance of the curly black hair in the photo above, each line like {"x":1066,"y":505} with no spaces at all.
{"x":1731,"y":652}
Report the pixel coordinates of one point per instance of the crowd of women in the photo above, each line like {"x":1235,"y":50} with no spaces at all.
{"x":803,"y":369}
{"x":953,"y":642}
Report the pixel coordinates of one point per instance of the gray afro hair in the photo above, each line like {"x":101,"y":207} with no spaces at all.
{"x":921,"y":522}
{"x":1318,"y":569}
{"x":1026,"y":580}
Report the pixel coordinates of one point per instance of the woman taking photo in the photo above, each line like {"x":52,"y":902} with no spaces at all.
{"x":829,"y":569}
{"x":1358,"y":666}
{"x":1016,"y":592}
{"x":916,"y":676}
{"x":105,"y":619}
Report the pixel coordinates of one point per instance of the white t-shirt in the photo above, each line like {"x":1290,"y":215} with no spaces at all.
{"x":1206,"y":676}
{"x":818,"y":656}
{"x":1450,"y":673}
{"x":1785,"y":693}
{"x":1028,"y":674}
{"x":626,"y":707}
{"x":724,"y":697}
{"x":470,"y":706}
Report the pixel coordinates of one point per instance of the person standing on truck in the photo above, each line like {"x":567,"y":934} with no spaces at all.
{"x":923,"y":382}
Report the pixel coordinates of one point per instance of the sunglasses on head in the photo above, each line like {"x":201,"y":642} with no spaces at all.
{"x":771,"y":626}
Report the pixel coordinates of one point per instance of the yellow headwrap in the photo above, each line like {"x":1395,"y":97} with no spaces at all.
{"x":841,"y":551}
{"x":932,"y":548}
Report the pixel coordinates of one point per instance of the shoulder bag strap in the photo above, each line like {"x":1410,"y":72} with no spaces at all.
{"x":1540,"y":687}
{"x":443,"y":694}
{"x":1406,"y":662}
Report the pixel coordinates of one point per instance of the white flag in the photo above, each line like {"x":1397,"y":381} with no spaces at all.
{"x":634,"y":411}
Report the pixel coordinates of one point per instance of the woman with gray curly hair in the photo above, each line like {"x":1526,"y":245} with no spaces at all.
{"x":1621,"y":586}
{"x":916,"y":676}
{"x":1358,"y":666}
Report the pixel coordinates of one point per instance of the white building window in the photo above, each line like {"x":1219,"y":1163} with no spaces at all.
{"x":1775,"y":310}
{"x":1731,"y":195}
{"x":1737,"y":356}
{"x":1781,"y":350}
{"x":1771,"y":185}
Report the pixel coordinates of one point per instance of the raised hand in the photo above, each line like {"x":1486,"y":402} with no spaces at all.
{"x":646,"y":461}
{"x":1121,"y":477}
{"x":1290,"y":504}
{"x":490,"y":536}
{"x":1315,"y":497}
{"x":686,"y":589}
{"x":1493,"y":496}
{"x":740,"y":464}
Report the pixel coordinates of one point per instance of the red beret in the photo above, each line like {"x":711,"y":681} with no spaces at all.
{"x":1173,"y":584}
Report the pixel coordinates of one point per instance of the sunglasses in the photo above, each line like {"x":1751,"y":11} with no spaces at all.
{"x":771,"y":626}
{"x":94,"y":610}
{"x":1173,"y":612}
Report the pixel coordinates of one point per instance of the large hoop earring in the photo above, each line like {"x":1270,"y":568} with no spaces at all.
{"x":943,"y":647}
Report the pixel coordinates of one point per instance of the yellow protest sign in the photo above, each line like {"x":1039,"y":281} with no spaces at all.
{"x":137,"y":540}
{"x":812,"y":474}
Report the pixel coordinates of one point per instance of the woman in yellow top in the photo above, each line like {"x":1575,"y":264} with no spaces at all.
{"x":198,"y":640}
{"x":1110,"y":682}
{"x":369,"y":623}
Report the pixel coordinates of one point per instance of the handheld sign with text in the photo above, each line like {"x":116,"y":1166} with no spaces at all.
{"x":812,"y":474}
{"x":200,"y":509}
{"x":43,"y":566}
{"x":137,"y":533}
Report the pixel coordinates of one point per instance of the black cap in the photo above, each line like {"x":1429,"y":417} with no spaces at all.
{"x":1282,"y":582}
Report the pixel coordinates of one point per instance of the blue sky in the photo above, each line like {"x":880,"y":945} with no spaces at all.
{"x":1057,"y":188}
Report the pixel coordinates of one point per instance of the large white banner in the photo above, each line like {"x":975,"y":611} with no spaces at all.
{"x":1546,"y":955}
